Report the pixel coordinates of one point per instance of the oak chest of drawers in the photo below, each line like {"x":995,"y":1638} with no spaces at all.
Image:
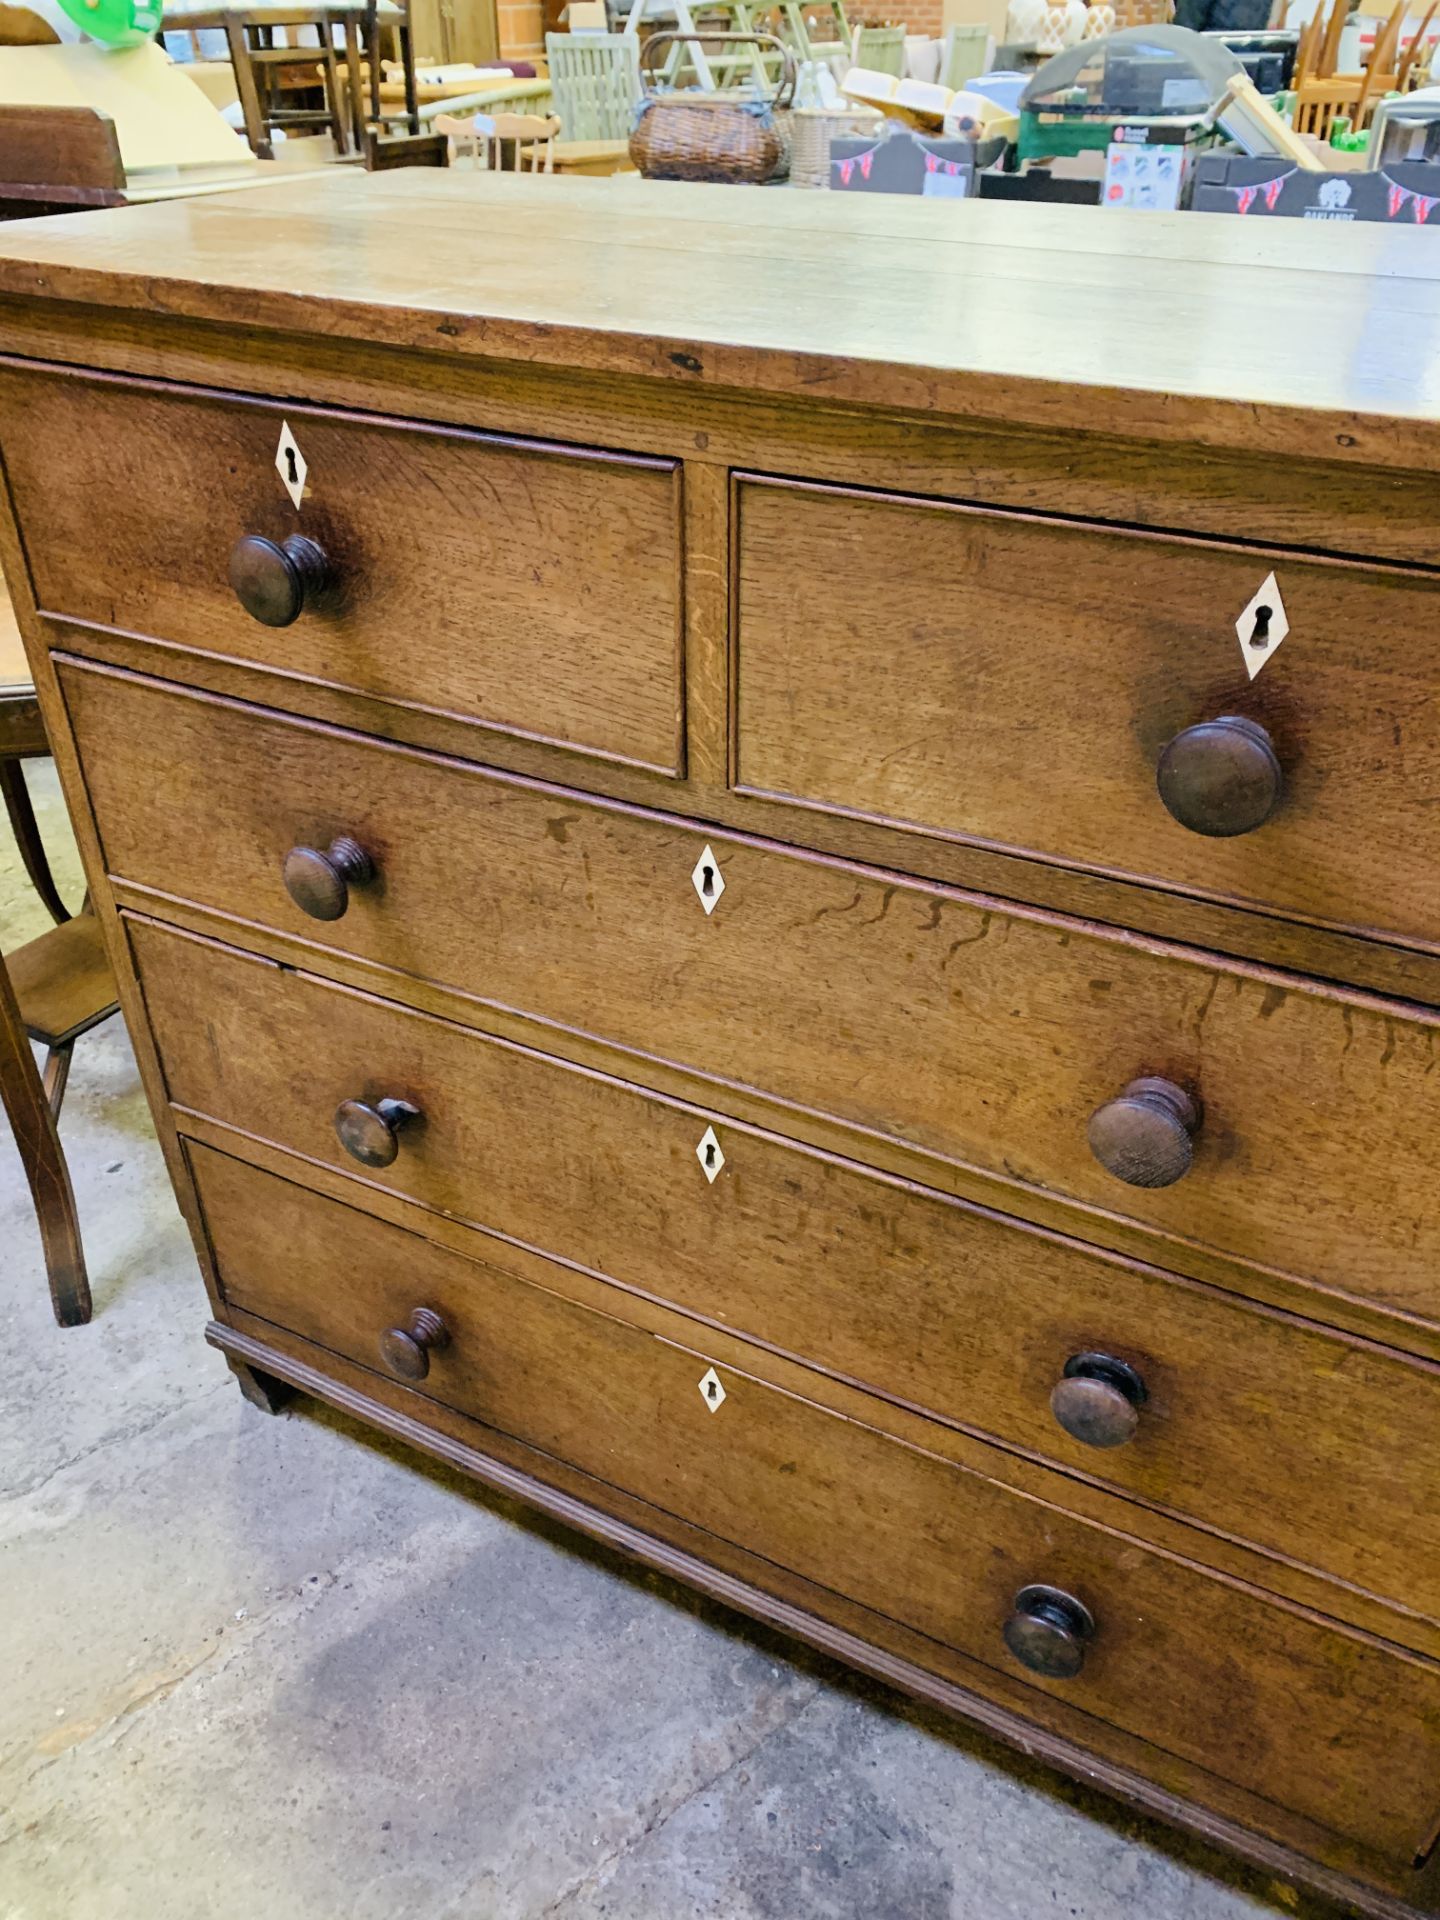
{"x":799,"y":920}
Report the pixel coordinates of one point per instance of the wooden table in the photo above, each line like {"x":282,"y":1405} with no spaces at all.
{"x":360,"y":23}
{"x":593,"y":156}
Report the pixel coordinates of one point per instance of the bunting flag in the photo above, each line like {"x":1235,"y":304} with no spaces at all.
{"x":1398,"y":198}
{"x":1245,"y":197}
{"x":867,"y":160}
{"x":847,"y":167}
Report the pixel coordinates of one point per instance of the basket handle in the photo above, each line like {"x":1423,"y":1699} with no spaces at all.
{"x":785,"y":88}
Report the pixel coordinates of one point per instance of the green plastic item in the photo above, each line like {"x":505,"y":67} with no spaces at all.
{"x":1344,"y":140}
{"x":116,"y":23}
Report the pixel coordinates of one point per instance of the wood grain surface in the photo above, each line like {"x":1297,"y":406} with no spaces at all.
{"x":1048,"y":316}
{"x":1264,"y":1694}
{"x":1014,"y":680}
{"x":1309,"y":1444}
{"x":519,"y":586}
{"x":979,"y":1033}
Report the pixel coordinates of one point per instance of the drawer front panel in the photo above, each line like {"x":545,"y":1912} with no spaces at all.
{"x":1323,"y":1449}
{"x":982,"y":1035}
{"x":529,"y":588}
{"x":1337,"y":1726}
{"x":1014,"y":682}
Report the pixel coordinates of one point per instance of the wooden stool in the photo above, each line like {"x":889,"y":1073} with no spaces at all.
{"x":52,"y":990}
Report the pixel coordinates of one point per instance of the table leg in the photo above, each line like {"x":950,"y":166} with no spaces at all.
{"x":256,"y":131}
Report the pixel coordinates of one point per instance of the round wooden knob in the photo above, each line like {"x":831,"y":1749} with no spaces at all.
{"x":1098,"y":1400}
{"x":1222,"y":777}
{"x":371,"y":1133}
{"x":1048,"y":1632}
{"x":1144,"y":1137}
{"x":273,"y":579}
{"x":320,"y":883}
{"x":406,"y":1350}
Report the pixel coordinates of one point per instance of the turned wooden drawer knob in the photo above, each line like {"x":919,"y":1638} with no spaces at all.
{"x":1098,"y":1400}
{"x":1222,"y":777}
{"x":1048,"y":1632}
{"x":370,"y":1133}
{"x":406,"y":1350}
{"x":320,"y":883}
{"x":274,"y":579}
{"x":1144,"y":1136}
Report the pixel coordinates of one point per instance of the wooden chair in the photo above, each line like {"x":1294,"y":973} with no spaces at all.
{"x":1414,"y":68}
{"x":879,"y":49}
{"x":52,"y":990}
{"x":595,"y":80}
{"x":964,"y":53}
{"x":1323,"y":96}
{"x":279,"y":71}
{"x":508,"y":140}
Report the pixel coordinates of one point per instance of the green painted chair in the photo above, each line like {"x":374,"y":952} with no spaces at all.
{"x":963,"y":56}
{"x":595,"y":80}
{"x":881,"y":49}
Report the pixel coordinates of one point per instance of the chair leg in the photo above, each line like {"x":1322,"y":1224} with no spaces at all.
{"x":43,"y":1158}
{"x":407,"y":58}
{"x":27,"y":837}
{"x":56,"y":1073}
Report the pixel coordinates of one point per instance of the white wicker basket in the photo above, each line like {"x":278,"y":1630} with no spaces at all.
{"x":812,"y":130}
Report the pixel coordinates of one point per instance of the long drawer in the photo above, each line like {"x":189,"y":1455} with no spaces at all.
{"x":988,"y":1036}
{"x":1324,"y":1449}
{"x":1019,"y":682}
{"x":519,"y":585}
{"x":1340,"y":1727}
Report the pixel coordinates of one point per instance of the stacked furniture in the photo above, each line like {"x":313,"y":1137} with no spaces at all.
{"x":803,"y":929}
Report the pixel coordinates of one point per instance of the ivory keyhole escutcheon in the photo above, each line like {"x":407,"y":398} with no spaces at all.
{"x":708,"y":1153}
{"x":707,"y":880}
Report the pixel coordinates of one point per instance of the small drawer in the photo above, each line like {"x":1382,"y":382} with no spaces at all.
{"x":1031,"y":685}
{"x":525,"y":587}
{"x":1265,"y":1118}
{"x":1338,"y":1726}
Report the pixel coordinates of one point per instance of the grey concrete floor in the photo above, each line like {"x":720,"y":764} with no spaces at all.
{"x":258,"y":1665}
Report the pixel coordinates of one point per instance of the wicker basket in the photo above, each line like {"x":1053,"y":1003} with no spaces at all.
{"x":728,"y":136}
{"x":813,"y":128}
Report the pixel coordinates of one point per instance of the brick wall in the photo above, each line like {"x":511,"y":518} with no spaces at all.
{"x":918,"y":16}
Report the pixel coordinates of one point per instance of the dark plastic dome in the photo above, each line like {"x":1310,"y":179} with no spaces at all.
{"x":1141,"y":71}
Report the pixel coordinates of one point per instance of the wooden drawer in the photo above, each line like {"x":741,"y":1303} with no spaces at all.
{"x":518,"y":585}
{"x":1323,"y":1449}
{"x":1013,"y":681}
{"x":983,"y":1035}
{"x":1331,"y":1723}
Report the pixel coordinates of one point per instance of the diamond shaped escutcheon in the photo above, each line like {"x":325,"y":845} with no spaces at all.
{"x":1262,"y":626}
{"x":707,"y":880}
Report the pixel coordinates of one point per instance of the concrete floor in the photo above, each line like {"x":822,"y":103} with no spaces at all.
{"x":258,"y":1665}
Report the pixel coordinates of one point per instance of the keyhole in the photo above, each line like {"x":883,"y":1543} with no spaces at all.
{"x":710,"y":1389}
{"x":294,"y":471}
{"x":709,"y":1153}
{"x":1260,"y":633}
{"x":707,"y":879}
